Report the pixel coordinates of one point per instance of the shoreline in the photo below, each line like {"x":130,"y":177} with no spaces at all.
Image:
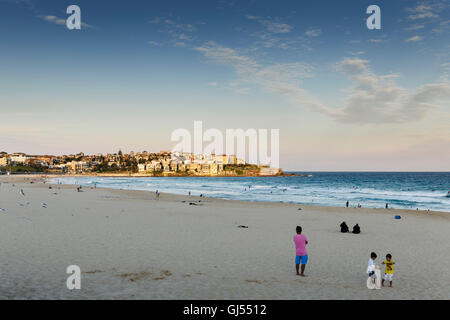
{"x":309,"y":205}
{"x":137,"y":175}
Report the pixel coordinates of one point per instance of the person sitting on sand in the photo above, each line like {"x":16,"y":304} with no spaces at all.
{"x":356,"y":229}
{"x":344,"y":227}
{"x":301,"y":256}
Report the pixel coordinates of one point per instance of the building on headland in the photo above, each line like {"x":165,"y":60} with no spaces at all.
{"x":4,"y":161}
{"x":18,"y":158}
{"x":163,"y":163}
{"x":78,"y":166}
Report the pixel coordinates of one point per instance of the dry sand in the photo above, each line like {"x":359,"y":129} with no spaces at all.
{"x":132,"y":245}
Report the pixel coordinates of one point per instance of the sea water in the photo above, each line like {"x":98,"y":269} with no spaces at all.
{"x":407,"y":190}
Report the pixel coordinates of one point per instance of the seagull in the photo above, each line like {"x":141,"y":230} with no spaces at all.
{"x":1,"y":209}
{"x":21,"y":192}
{"x":44,"y":205}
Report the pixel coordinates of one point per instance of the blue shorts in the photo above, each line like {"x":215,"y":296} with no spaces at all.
{"x":302,"y":259}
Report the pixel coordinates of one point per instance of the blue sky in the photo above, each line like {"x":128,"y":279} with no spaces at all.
{"x":344,"y":97}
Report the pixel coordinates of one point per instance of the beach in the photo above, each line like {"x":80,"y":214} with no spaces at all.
{"x":135,"y":245}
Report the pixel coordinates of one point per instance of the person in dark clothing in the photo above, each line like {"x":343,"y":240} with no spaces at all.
{"x":356,"y":229}
{"x":346,"y":204}
{"x":344,"y":227}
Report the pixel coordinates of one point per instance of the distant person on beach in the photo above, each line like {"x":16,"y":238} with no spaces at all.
{"x":346,"y":204}
{"x":301,"y":256}
{"x":359,"y":205}
{"x":189,"y":193}
{"x":389,"y":271}
{"x":387,"y":206}
{"x":356,"y":229}
{"x":344,"y":227}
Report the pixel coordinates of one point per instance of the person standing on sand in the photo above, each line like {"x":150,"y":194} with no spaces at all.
{"x":346,"y":204}
{"x":301,"y":256}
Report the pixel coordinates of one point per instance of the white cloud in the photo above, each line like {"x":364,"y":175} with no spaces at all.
{"x":234,"y":86}
{"x":249,"y":70}
{"x":313,"y":32}
{"x":380,"y":39}
{"x":372,"y":99}
{"x":377,"y":99}
{"x":155,"y":20}
{"x":59,"y":21}
{"x":53,"y":19}
{"x":414,"y":39}
{"x":276,"y":27}
{"x":282,"y":78}
{"x":183,"y":36}
{"x":414,"y":27}
{"x":357,"y":53}
{"x":243,"y":65}
{"x":423,"y":15}
{"x":425,"y":10}
{"x":180,"y":33}
{"x":155,"y":43}
{"x":272,"y":25}
{"x":443,"y":27}
{"x":171,"y":24}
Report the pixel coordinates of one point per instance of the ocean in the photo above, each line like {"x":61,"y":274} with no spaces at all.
{"x":406,"y":190}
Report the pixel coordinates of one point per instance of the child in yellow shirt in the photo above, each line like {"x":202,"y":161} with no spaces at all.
{"x":389,"y":271}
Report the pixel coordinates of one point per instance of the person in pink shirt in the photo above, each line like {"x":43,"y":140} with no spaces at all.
{"x":301,"y":256}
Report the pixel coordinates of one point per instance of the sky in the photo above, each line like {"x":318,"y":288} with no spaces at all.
{"x":345,"y":98}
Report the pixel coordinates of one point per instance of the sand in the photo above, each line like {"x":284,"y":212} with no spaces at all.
{"x":133,"y":245}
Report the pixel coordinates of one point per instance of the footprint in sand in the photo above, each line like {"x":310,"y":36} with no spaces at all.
{"x":142,"y":275}
{"x":253,"y":281}
{"x":135,"y":276}
{"x":164,"y":274}
{"x":93,"y":271}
